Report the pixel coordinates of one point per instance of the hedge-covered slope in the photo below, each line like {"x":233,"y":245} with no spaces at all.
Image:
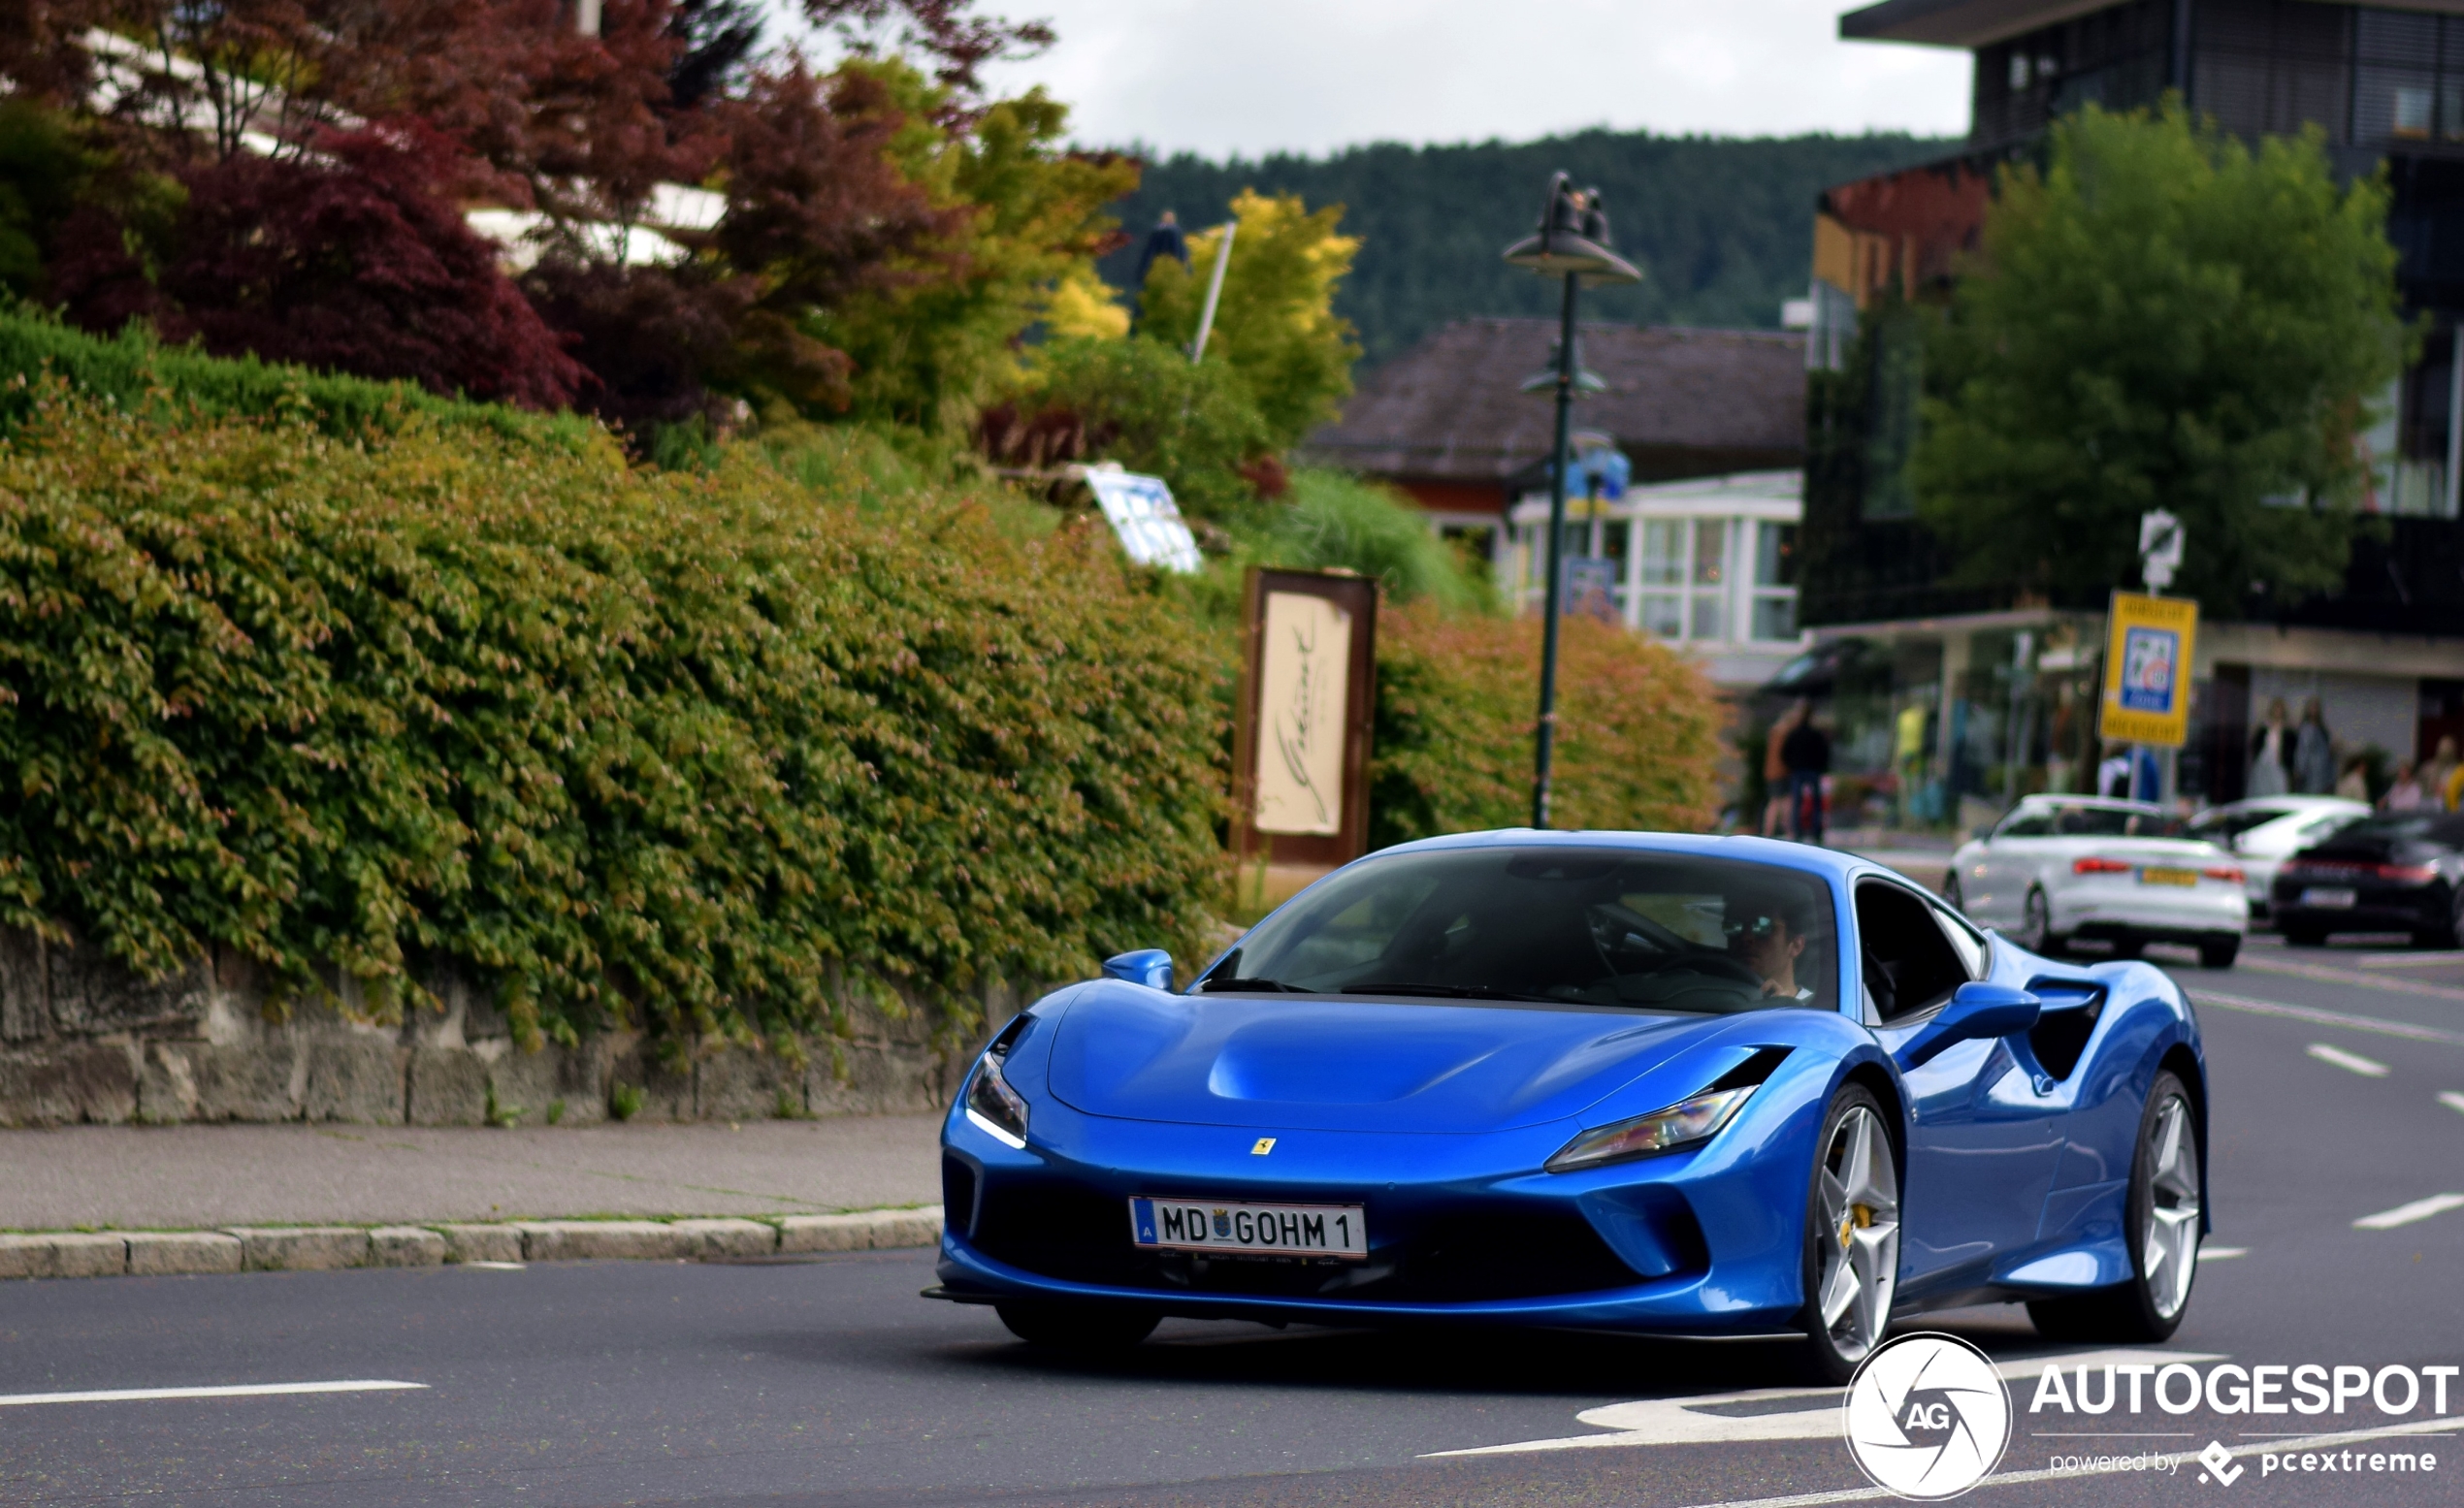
{"x":138,"y":375}
{"x":698,"y":752}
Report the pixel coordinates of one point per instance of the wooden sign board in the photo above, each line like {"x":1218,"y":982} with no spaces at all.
{"x":1300,"y":735}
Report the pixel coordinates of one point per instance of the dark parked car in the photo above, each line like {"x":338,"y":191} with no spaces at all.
{"x":2401,"y":872}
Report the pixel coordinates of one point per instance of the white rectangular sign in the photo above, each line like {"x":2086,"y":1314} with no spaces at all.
{"x":1304,"y":676}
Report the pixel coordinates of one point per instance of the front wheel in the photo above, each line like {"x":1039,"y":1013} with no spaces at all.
{"x":2036,"y":931}
{"x":1852,"y":1238}
{"x":2165,"y":1192}
{"x":1082,"y":1329}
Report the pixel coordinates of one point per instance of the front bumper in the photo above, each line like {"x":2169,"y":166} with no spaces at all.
{"x":1702,"y":1242}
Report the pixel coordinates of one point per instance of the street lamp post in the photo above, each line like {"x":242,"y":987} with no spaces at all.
{"x":1572,"y":242}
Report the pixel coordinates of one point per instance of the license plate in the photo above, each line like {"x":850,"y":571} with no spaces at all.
{"x":2155,"y":876}
{"x":1257,"y":1230}
{"x":2326,"y":896}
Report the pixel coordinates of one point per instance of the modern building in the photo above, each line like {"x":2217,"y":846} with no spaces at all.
{"x":1713,"y":426}
{"x":2004,"y":689}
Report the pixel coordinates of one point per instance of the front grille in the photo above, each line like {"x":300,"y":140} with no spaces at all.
{"x":1067,"y":1229}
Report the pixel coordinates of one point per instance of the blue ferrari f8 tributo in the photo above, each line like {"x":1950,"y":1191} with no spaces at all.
{"x":1680,"y":1086}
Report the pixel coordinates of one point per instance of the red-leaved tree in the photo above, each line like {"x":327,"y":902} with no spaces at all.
{"x":348,"y":260}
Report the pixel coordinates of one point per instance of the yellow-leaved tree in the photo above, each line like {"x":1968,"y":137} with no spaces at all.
{"x":1275,"y":324}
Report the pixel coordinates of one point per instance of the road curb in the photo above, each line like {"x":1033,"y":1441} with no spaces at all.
{"x":328,"y":1247}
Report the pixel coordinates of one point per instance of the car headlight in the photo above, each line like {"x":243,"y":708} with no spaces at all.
{"x":1680,"y":1125}
{"x":997,"y":1110}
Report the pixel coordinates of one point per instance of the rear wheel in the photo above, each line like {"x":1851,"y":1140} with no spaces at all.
{"x":2163,"y":1224}
{"x":2449,"y":935}
{"x":1852,"y":1238}
{"x":2218,"y":952}
{"x":1082,"y":1329}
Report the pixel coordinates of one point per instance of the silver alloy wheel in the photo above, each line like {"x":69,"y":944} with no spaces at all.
{"x":2036,"y":930}
{"x":1860,"y":1238}
{"x":2169,"y":1252}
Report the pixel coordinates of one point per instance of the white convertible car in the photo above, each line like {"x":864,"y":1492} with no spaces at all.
{"x":2056,"y":868}
{"x":2264,"y":831}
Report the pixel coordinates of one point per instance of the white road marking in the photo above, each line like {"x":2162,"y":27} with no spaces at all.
{"x":2411,"y":960}
{"x":2452,"y":1099}
{"x":1815,"y":1416}
{"x":2406,"y":1214}
{"x":2349,"y":1062}
{"x":2222,"y":1253}
{"x":1867,"y":1495}
{"x":248,"y":1390}
{"x":2317,"y":1017}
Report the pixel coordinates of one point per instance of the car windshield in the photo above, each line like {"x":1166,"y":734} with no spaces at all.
{"x":1579,"y":926}
{"x":2106,"y":821}
{"x":2430,"y":827}
{"x":2226,"y":825}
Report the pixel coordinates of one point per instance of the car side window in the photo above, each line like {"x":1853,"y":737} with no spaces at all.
{"x":1908,"y":964}
{"x":2028,"y":825}
{"x":1966,"y":941}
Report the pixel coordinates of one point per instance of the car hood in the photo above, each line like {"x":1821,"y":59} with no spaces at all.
{"x":1321,"y":1064}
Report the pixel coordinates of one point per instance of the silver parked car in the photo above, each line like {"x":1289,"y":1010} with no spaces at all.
{"x":2059,"y":868}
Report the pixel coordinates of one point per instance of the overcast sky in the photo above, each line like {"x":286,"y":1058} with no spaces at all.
{"x":1253,"y":76}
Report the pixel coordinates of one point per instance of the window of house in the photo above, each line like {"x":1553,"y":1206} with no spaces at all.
{"x":1710,"y":579}
{"x":1774,"y":580}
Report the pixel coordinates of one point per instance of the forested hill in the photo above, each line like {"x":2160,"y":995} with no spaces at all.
{"x":1723,"y":229}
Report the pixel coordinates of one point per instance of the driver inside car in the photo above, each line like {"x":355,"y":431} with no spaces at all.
{"x":1765,"y":941}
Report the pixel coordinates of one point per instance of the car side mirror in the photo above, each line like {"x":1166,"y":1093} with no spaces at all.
{"x":1147,"y":966}
{"x":1978,"y":1010}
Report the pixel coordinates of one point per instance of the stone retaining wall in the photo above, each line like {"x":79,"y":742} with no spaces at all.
{"x":327,"y":1248}
{"x":83,"y":1040}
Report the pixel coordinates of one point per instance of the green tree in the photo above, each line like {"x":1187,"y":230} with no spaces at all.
{"x":2161,"y":317}
{"x":1275,"y":324}
{"x":1146,"y":406}
{"x":931,"y":346}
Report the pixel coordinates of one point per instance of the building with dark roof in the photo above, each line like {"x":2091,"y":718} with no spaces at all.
{"x":1449,"y":422}
{"x":1702,"y":566}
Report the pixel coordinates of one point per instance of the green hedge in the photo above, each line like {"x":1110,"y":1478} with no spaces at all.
{"x":138,"y":375}
{"x":701,"y":754}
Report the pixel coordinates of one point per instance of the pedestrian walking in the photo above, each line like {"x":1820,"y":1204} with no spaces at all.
{"x":1806,"y":753}
{"x":2314,"y":753}
{"x":2271,"y":754}
{"x":1775,"y":769}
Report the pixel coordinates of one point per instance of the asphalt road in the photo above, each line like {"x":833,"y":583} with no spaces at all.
{"x":828,"y":1382}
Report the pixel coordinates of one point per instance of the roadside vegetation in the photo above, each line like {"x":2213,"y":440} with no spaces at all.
{"x":704,"y":646}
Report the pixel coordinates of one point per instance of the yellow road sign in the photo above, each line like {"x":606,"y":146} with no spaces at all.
{"x":2147,"y":646}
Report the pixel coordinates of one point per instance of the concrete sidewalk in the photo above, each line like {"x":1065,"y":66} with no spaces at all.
{"x":138,"y":1178}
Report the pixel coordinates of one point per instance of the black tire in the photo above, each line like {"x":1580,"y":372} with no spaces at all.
{"x":2449,"y":935}
{"x":2133,"y":1312}
{"x":2219,"y":952}
{"x":2304,"y":937}
{"x":1080,"y":1330}
{"x":1830,"y":1354}
{"x":2036,"y":931}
